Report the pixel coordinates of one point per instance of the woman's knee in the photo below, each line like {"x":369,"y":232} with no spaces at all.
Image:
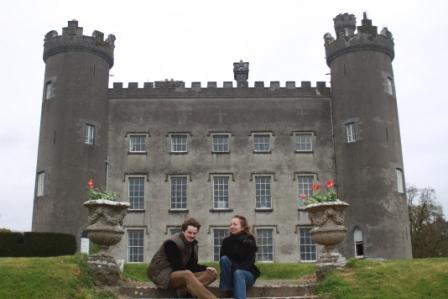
{"x":224,"y":261}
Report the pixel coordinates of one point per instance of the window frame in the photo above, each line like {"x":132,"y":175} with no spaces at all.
{"x":297,"y":135}
{"x":399,"y":176}
{"x":357,"y":242}
{"x":134,"y":135}
{"x":310,"y":243}
{"x":218,"y":151}
{"x":260,"y":245}
{"x":141,"y":247}
{"x":216,"y":248}
{"x":49,"y":90}
{"x":89,"y":134}
{"x":308,"y":190}
{"x":257,"y":195}
{"x":40,"y":184}
{"x":142,"y":203}
{"x":350,"y":132}
{"x":183,"y":193}
{"x":257,"y":135}
{"x":173,"y":145}
{"x":226,"y":190}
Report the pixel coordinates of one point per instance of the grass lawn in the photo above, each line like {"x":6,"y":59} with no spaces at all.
{"x":52,"y":277}
{"x":268,"y":270}
{"x":392,"y":279}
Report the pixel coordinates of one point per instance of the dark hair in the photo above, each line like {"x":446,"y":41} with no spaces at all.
{"x":190,"y":222}
{"x":243,"y":221}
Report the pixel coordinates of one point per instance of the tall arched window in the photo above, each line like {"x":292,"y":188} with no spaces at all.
{"x":359,"y":243}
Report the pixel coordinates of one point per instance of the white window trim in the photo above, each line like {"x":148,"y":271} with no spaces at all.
{"x":213,"y":135}
{"x":41,"y":178}
{"x":314,"y":175}
{"x":273,"y":242}
{"x":172,"y":149}
{"x":138,"y":135}
{"x":355,"y":241}
{"x":89,"y":134}
{"x":298,"y":240}
{"x":259,"y":134}
{"x":145,"y":178}
{"x":127,"y":244}
{"x":350,"y":132}
{"x":170,"y":177}
{"x":296,"y":136}
{"x":400,"y":180}
{"x":255,"y":176}
{"x":213,"y":190}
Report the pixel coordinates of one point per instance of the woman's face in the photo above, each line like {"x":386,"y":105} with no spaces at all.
{"x":235,"y":226}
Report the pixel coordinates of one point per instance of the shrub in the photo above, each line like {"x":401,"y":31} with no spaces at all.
{"x":36,"y":244}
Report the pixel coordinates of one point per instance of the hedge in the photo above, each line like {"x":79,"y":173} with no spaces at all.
{"x":29,"y":244}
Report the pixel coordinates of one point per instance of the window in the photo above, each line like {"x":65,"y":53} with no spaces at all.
{"x":178,"y":192}
{"x":174,"y":230}
{"x":218,"y":235}
{"x":263,"y":192}
{"x":137,"y":143}
{"x":350,"y":132}
{"x":220,"y":192}
{"x":390,"y":86}
{"x":264,"y":242}
{"x":400,"y":180}
{"x":89,"y":134}
{"x":304,"y":142}
{"x":262,"y":142}
{"x":305,"y":183}
{"x":49,"y":90}
{"x":220,"y":143}
{"x":135,"y":245}
{"x":179,"y":143}
{"x":359,"y":244}
{"x":307,"y":248}
{"x":40,"y":184}
{"x":136,"y":193}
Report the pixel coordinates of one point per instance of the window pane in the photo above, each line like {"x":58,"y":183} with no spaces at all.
{"x":178,"y":192}
{"x":40,"y":184}
{"x":350,"y":132}
{"x":221,"y":143}
{"x":262,"y":142}
{"x":304,"y":142}
{"x":89,"y":134}
{"x":264,"y":243}
{"x":400,"y":180}
{"x":305,"y":185}
{"x":178,"y":143}
{"x":137,"y":143}
{"x":136,"y":192}
{"x":135,"y":245}
{"x":218,"y":235}
{"x":307,"y":247}
{"x":220,"y":192}
{"x":175,"y":230}
{"x":263,"y":192}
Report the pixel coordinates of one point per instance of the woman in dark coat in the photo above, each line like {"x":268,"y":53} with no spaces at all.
{"x":237,"y":262}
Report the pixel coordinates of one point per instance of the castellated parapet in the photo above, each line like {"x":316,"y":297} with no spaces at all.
{"x":73,"y":40}
{"x":177,"y":89}
{"x":366,"y":38}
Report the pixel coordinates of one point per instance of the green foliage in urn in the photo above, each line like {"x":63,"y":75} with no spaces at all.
{"x":98,"y":193}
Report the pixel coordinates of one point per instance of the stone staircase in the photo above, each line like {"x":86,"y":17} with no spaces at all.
{"x":262,"y":289}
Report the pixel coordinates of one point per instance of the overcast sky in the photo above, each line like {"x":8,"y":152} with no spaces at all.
{"x":199,"y":41}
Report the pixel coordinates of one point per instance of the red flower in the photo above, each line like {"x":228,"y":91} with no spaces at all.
{"x":330,"y":184}
{"x":302,"y":196}
{"x":90,"y":184}
{"x":315,"y":186}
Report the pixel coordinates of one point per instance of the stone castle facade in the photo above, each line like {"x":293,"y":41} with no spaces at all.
{"x":212,"y":151}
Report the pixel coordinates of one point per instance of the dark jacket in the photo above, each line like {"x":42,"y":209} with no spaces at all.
{"x":241,"y":249}
{"x":175,"y":254}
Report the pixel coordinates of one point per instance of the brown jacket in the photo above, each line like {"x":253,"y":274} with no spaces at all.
{"x":160,"y":268}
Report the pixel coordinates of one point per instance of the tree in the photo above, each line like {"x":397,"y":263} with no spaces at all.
{"x":429,"y":229}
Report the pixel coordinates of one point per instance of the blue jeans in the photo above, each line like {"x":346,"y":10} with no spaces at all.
{"x":237,"y":281}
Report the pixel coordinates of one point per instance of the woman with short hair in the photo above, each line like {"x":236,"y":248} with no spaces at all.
{"x":237,"y":259}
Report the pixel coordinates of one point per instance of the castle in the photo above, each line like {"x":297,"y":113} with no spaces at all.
{"x":212,"y":151}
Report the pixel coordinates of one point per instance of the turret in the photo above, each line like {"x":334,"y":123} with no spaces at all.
{"x":73,"y":131}
{"x":369,"y":164}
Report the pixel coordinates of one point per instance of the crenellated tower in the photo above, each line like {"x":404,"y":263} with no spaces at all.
{"x":73,"y":129}
{"x":369,"y":164}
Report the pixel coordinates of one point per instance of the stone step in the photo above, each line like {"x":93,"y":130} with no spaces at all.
{"x":266,"y":291}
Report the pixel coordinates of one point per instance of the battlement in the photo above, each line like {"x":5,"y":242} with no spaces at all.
{"x":366,"y":38}
{"x":177,"y":89}
{"x":72,"y":39}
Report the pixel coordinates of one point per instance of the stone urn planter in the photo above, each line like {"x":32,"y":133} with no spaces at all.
{"x":328,"y":229}
{"x":105,"y":228}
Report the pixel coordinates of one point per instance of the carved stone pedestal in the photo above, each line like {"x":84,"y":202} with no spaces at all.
{"x":105,"y":269}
